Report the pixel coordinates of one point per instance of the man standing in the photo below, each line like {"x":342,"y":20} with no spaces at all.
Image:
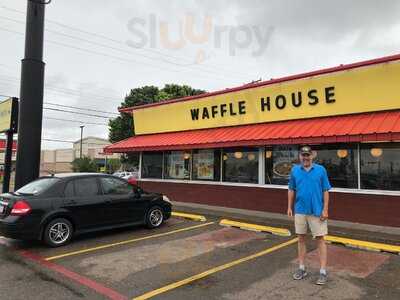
{"x":309,"y":186}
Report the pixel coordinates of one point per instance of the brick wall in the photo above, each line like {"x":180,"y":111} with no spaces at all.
{"x":360,"y":208}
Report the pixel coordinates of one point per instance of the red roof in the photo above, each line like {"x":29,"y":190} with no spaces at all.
{"x":272,"y":81}
{"x":377,"y":126}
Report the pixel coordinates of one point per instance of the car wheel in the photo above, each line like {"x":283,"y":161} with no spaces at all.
{"x":154,"y":217}
{"x":58,"y":232}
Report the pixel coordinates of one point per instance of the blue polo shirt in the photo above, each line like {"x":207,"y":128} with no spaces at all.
{"x":309,"y":187}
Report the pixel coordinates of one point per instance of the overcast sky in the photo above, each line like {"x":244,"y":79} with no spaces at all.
{"x":97,"y":50}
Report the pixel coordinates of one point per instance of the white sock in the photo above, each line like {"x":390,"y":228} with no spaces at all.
{"x":302,"y":267}
{"x":322,"y":271}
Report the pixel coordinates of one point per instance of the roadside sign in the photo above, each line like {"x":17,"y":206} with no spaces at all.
{"x":8,"y":124}
{"x":9,"y":115}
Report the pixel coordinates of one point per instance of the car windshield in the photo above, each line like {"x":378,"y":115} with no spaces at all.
{"x":37,"y":186}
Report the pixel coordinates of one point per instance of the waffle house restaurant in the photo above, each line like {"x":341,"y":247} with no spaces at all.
{"x":235,"y":147}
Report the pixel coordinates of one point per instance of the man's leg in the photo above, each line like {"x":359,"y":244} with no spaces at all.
{"x":322,"y":250}
{"x":319,"y":229}
{"x":302,"y":249}
{"x":301,"y":230}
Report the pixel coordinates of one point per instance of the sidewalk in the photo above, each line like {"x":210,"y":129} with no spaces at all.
{"x":373,"y":233}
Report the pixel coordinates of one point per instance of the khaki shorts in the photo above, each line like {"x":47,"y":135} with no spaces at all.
{"x":317,"y":227}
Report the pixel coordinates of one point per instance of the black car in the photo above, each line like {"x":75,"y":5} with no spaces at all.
{"x":55,"y":208}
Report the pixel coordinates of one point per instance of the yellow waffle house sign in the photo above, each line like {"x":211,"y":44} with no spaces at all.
{"x":363,"y":89}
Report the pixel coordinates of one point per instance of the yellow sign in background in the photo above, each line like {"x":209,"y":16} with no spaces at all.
{"x":5,"y":115}
{"x":363,"y":89}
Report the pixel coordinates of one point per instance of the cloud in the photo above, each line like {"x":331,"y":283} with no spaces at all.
{"x":307,"y":35}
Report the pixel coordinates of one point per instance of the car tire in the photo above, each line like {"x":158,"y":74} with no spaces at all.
{"x":58,"y":232}
{"x":154,"y":217}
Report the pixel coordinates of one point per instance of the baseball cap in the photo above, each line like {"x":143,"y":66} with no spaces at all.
{"x":305,"y":150}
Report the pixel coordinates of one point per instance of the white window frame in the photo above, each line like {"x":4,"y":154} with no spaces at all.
{"x":261,"y":177}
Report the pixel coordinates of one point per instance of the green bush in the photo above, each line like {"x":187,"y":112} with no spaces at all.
{"x":84,"y":164}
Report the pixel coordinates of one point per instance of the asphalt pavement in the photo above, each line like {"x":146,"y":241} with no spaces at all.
{"x":187,"y":259}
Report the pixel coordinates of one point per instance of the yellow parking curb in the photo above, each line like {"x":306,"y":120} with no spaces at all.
{"x":255,"y":227}
{"x":189,"y":216}
{"x":363,"y":244}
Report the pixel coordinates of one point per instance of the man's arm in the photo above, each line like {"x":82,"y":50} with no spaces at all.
{"x":291,"y":195}
{"x":326,"y":186}
{"x":325,"y":210}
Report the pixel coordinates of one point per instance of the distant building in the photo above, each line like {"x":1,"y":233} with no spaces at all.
{"x":2,"y":153}
{"x":59,"y":160}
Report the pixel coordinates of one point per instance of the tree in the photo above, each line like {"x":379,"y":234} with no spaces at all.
{"x":84,"y":164}
{"x":122,"y":127}
{"x":113,"y":165}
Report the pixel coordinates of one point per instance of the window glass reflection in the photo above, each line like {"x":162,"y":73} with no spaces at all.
{"x":340,"y":162}
{"x":177,"y":164}
{"x":278,"y":163}
{"x":152,"y":164}
{"x":240,"y":165}
{"x":206,"y":165}
{"x":380,"y":166}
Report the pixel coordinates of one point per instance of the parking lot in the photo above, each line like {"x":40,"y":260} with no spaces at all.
{"x":186,"y":259}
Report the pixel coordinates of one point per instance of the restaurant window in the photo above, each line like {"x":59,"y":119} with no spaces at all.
{"x":380,"y":166}
{"x":278,"y":163}
{"x":152,"y":163}
{"x":340,"y":162}
{"x":206,"y":165}
{"x":240,"y":165}
{"x":177,"y":165}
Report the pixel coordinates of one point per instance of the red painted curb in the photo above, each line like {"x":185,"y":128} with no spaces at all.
{"x":109,"y":293}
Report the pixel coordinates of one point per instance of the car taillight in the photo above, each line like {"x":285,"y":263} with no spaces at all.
{"x":20,"y":208}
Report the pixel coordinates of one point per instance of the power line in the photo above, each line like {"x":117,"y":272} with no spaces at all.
{"x":9,"y":68}
{"x":64,"y":90}
{"x":80,"y":108}
{"x":75,"y":112}
{"x":109,"y":55}
{"x":159,"y":53}
{"x":58,"y":141}
{"x":131,"y":52}
{"x":14,"y":80}
{"x":74,"y":121}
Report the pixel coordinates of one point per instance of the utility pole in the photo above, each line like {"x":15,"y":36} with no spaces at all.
{"x":31,"y":96}
{"x":80,"y":153}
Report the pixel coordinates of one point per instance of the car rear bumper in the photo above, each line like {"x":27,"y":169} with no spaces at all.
{"x":17,"y":230}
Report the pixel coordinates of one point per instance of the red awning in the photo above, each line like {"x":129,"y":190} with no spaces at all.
{"x":378,"y":126}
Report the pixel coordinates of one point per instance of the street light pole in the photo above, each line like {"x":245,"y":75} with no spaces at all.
{"x":80,"y":153}
{"x":31,"y":96}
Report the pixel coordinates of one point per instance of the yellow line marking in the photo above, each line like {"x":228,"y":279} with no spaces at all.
{"x":363,"y":244}
{"x":255,"y":227}
{"x":126,"y":242}
{"x":212,"y":271}
{"x":189,"y":216}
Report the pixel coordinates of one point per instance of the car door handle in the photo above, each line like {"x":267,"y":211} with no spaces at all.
{"x":71,"y":202}
{"x":108,"y":201}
